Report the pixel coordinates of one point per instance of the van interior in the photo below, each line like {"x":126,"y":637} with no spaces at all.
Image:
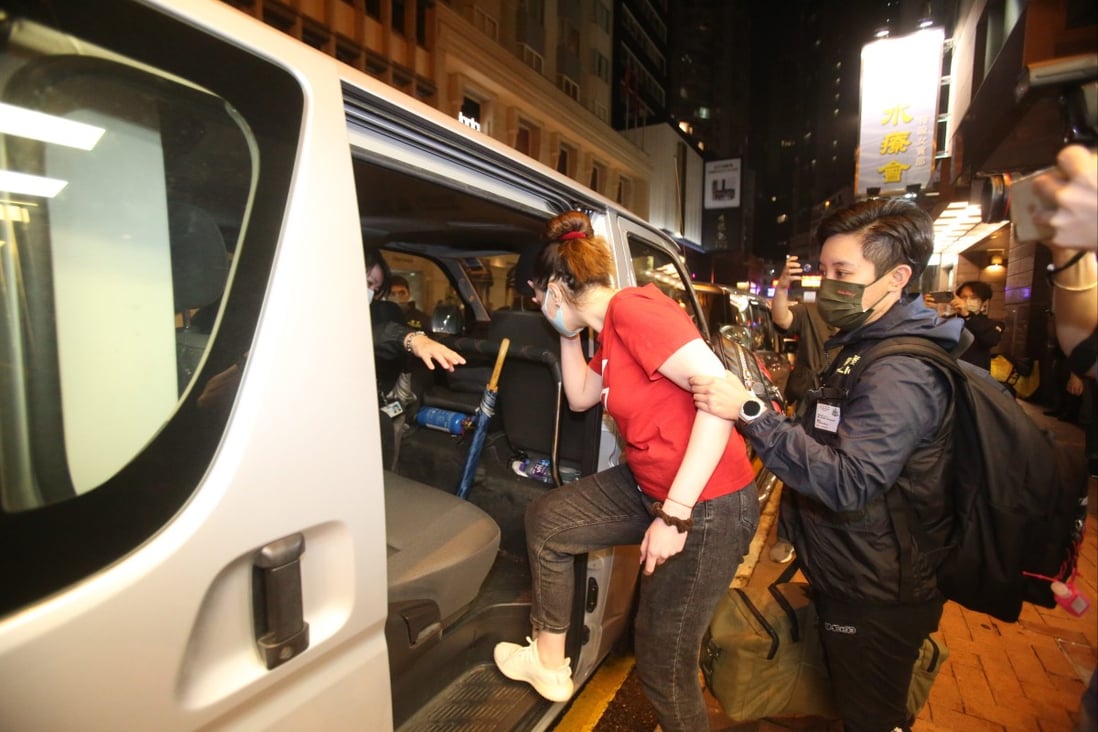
{"x":459,"y":579}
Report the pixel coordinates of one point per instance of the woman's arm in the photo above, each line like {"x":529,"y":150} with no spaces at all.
{"x":710,"y":433}
{"x":582,"y":386}
{"x":708,"y":439}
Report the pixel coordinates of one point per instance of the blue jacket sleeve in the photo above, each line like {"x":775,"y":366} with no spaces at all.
{"x":898,"y":403}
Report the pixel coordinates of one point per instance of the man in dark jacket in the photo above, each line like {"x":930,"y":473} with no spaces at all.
{"x":970,"y":302}
{"x":852,"y":453}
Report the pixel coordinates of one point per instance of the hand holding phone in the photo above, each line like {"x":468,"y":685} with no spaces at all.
{"x":1024,"y":203}
{"x":1071,"y":190}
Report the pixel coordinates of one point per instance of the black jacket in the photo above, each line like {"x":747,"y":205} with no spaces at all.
{"x":893,"y":428}
{"x":986,"y":334}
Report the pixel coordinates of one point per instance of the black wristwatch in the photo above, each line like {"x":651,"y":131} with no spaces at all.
{"x":751,"y":410}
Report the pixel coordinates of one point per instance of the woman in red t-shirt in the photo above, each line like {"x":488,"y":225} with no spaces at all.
{"x":686,"y":493}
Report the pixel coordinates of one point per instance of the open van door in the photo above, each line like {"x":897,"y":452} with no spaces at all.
{"x":190,"y":483}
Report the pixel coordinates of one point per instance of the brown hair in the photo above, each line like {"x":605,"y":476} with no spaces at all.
{"x":574,"y":255}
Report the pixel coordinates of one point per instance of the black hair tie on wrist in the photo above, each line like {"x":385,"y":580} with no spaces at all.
{"x":1053,"y":270}
{"x":681,"y":525}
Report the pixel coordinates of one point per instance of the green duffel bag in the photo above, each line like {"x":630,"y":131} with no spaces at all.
{"x":762,"y":656}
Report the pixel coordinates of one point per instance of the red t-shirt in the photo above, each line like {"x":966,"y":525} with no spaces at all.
{"x":642,"y":329}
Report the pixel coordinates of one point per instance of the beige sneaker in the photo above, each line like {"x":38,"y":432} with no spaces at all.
{"x":521,"y":663}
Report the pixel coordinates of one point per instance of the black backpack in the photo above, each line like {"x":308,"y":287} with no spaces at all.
{"x":1020,"y":498}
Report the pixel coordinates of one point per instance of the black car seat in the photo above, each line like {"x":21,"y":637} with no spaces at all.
{"x":531,"y":402}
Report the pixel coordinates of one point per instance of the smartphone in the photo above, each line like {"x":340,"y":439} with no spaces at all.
{"x":942,"y":297}
{"x":1024,"y":202}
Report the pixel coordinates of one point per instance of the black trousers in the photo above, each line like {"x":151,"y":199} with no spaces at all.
{"x":871,"y":651}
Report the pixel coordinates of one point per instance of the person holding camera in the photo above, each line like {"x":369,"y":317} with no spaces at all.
{"x":802,"y":320}
{"x":970,"y":302}
{"x":1070,"y":194}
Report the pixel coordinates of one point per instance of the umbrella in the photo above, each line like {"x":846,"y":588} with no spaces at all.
{"x":480,"y":423}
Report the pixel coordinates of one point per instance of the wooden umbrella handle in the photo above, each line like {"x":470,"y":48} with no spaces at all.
{"x":499,"y":363}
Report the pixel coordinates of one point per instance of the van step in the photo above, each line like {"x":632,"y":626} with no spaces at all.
{"x":480,"y":700}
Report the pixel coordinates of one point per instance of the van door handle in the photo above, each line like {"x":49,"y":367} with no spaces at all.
{"x":280,"y":628}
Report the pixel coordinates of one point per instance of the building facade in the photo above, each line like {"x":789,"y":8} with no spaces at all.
{"x":535,"y":74}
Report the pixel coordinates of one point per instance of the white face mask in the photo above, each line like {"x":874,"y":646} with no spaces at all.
{"x":369,"y":295}
{"x":973,"y":305}
{"x":557,"y":321}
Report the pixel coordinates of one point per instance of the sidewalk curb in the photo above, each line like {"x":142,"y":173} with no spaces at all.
{"x":767,"y":517}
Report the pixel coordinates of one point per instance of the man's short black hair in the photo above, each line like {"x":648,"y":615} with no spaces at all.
{"x":893,"y":231}
{"x":981,"y":290}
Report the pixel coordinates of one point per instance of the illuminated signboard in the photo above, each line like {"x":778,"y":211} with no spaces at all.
{"x":901,"y":80}
{"x":811,"y":281}
{"x":722,"y":184}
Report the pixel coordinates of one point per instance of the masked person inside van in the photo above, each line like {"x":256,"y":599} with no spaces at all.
{"x":877,"y":597}
{"x":686,"y":495}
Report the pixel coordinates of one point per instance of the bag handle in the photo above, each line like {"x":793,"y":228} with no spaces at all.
{"x":774,"y":640}
{"x":783,"y":578}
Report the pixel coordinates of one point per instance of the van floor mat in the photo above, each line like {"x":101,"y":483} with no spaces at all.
{"x":480,"y":700}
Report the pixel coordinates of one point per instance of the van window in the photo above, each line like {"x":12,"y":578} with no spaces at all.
{"x":654,"y":265}
{"x":129,"y":182}
{"x":120,"y":265}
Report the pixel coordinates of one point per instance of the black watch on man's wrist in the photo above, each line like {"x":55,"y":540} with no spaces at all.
{"x":751,"y":410}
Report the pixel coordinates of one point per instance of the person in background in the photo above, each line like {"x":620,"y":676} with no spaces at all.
{"x":877,"y":597}
{"x":400,"y":292}
{"x":393,"y":338}
{"x":803,"y":321}
{"x":394,"y":341}
{"x":970,"y":302}
{"x":686,"y":493}
{"x":1071,"y":194}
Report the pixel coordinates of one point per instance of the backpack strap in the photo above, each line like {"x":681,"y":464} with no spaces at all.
{"x":921,"y":348}
{"x":900,"y":512}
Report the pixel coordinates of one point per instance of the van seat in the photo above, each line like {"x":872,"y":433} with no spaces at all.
{"x":440,"y":547}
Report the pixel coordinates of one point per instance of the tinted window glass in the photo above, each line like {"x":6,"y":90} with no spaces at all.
{"x":130,"y":172}
{"x":653,"y":265}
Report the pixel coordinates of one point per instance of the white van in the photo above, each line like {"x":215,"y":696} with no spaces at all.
{"x":196,"y":526}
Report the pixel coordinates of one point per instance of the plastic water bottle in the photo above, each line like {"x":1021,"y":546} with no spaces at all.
{"x":442,"y":420}
{"x":1069,"y":598}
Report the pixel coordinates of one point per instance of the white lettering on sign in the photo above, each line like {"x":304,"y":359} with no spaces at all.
{"x":469,"y":121}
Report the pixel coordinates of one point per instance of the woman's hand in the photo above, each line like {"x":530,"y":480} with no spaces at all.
{"x":1074,"y":385}
{"x":431,"y":352}
{"x":661,"y":541}
{"x":720,"y":397}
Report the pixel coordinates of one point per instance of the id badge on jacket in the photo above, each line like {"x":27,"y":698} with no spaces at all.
{"x":827,"y":417}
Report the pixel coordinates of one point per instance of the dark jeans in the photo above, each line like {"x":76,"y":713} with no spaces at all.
{"x":871,"y":651}
{"x":676,"y":601}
